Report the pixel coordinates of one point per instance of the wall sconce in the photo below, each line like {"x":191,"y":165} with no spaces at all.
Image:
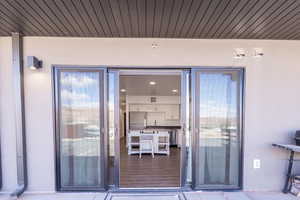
{"x":239,"y":53}
{"x":258,"y":53}
{"x":34,"y":63}
{"x":154,"y":45}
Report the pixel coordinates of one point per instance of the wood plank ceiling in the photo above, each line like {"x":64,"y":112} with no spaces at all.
{"x":222,"y":19}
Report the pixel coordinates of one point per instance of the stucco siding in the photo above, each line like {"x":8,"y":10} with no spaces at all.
{"x":272,"y":96}
{"x":7,"y":122}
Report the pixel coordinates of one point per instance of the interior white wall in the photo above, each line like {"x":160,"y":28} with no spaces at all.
{"x":272,"y":96}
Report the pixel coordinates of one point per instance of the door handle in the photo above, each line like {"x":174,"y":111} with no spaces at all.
{"x":183,"y":129}
{"x":116,"y":129}
{"x":102,"y":131}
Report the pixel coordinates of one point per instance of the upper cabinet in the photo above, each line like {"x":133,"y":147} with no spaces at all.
{"x":134,"y":108}
{"x":169,"y":105}
{"x":155,"y":99}
{"x":143,"y":108}
{"x":172,"y":112}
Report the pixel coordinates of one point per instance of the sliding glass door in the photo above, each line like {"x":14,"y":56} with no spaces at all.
{"x":87,"y":122}
{"x":217,"y":128}
{"x":80,"y":128}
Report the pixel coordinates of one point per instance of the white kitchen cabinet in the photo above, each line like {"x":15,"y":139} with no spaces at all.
{"x":155,"y":118}
{"x":172,"y":112}
{"x":147,"y":99}
{"x":134,"y":108}
{"x":145,"y":108}
{"x":148,"y":108}
{"x":179,"y":137}
{"x":176,"y":112}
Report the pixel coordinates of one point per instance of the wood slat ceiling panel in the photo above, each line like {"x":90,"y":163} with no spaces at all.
{"x":267,"y":16}
{"x":252,"y":15}
{"x":222,"y":14}
{"x":112,"y":18}
{"x":125,"y":15}
{"x":218,"y":19}
{"x":133,"y":17}
{"x":39,"y":18}
{"x":100,"y":17}
{"x":239,"y":19}
{"x":52,"y":17}
{"x":182,"y":17}
{"x":215,"y":9}
{"x":141,"y":10}
{"x":14,"y":20}
{"x":167,"y":15}
{"x":190,"y":19}
{"x":60,"y":16}
{"x":283,"y":24}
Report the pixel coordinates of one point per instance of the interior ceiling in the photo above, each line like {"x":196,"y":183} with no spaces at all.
{"x":221,"y":19}
{"x":138,"y":85}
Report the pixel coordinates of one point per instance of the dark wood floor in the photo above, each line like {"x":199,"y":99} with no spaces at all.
{"x":160,"y":171}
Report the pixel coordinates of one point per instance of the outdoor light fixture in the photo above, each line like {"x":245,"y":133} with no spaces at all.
{"x":175,"y":91}
{"x":154,"y":45}
{"x":34,"y":63}
{"x":258,"y":53}
{"x":152,"y":83}
{"x":239,"y":53}
{"x":123,"y":90}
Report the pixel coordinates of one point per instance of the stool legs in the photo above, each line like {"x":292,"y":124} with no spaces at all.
{"x":287,"y":187}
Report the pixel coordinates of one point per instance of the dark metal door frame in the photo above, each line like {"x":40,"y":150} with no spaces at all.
{"x":56,"y":69}
{"x":195,"y":129}
{"x":188,"y":86}
{"x":116,"y":110}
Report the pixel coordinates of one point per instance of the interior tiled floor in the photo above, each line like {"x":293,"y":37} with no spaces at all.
{"x":160,"y":171}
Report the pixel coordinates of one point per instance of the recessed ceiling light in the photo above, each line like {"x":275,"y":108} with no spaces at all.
{"x":123,"y":90}
{"x":152,"y":83}
{"x":175,"y":91}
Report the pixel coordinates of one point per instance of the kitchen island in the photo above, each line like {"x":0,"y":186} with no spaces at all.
{"x":174,"y":131}
{"x":160,"y":141}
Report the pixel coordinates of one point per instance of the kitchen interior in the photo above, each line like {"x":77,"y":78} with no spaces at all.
{"x":150,"y":131}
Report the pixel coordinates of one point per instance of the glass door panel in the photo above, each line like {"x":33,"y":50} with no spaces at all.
{"x":80,"y":128}
{"x":185,"y":129}
{"x":217,"y":128}
{"x":113,"y":127}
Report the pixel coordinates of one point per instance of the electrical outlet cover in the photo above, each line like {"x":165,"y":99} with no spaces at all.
{"x":256,"y":163}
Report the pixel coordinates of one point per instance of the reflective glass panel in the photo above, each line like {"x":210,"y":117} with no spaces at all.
{"x":79,"y":128}
{"x":219,"y":136}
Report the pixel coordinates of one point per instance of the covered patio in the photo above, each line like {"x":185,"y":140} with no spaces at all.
{"x":161,"y":195}
{"x":262,"y":38}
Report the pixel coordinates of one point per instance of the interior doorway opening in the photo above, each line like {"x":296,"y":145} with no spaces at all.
{"x":150,"y":130}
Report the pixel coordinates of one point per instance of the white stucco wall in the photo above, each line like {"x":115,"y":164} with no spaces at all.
{"x":272,"y":96}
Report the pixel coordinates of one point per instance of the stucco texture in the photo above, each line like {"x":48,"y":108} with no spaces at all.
{"x":271,"y":102}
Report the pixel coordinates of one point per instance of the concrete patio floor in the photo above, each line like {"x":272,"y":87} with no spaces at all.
{"x":157,"y":196}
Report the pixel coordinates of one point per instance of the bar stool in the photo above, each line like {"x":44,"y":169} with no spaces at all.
{"x":146,"y":144}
